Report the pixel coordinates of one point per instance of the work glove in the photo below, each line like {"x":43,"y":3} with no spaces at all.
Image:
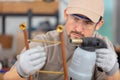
{"x":107,"y":60}
{"x":30,"y":61}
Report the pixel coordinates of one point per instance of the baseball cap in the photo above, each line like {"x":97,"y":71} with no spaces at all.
{"x":93,"y":9}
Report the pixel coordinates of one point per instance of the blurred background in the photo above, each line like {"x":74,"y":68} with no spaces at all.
{"x":42,"y":16}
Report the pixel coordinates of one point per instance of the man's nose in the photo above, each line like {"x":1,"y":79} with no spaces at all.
{"x":79,"y":26}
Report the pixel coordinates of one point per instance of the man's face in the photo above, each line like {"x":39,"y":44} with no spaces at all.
{"x":78,"y":26}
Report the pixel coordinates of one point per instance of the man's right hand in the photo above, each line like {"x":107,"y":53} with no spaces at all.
{"x":30,"y":61}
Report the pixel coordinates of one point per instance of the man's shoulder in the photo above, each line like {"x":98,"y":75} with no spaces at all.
{"x":96,"y":34}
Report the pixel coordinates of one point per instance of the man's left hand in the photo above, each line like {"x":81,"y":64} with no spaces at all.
{"x":107,"y":60}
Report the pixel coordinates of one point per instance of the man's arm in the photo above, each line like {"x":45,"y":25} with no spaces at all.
{"x":12,"y":75}
{"x":115,"y":76}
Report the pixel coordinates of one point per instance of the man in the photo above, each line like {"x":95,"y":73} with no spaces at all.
{"x":83,"y":18}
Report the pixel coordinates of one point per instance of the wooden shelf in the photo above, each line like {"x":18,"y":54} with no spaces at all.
{"x":37,"y":7}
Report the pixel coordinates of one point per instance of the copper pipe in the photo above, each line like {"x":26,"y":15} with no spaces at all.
{"x":60,"y":30}
{"x":23,"y":27}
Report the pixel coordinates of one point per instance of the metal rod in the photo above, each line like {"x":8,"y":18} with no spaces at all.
{"x":3,"y":24}
{"x":30,"y":15}
{"x":51,"y":72}
{"x":45,"y":41}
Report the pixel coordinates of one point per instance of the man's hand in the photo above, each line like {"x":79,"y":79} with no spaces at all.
{"x":30,"y":61}
{"x":107,"y":60}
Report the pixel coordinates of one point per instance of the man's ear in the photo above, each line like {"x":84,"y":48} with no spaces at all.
{"x":98,"y":26}
{"x":65,"y":15}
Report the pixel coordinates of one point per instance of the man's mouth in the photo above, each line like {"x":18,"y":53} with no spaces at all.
{"x":75,"y":34}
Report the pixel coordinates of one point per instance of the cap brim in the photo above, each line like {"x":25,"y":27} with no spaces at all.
{"x":91,"y":15}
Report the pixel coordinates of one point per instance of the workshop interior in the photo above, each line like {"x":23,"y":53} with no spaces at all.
{"x":41,"y":16}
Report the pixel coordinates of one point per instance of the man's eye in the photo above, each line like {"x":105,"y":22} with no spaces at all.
{"x":88,"y":22}
{"x":76,"y":19}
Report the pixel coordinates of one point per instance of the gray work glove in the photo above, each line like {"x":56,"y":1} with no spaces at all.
{"x":107,"y":60}
{"x":30,"y":61}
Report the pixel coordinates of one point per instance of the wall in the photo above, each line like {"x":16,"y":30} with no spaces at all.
{"x":108,"y":26}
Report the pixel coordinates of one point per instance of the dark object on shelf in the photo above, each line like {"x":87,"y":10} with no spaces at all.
{"x":48,"y":0}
